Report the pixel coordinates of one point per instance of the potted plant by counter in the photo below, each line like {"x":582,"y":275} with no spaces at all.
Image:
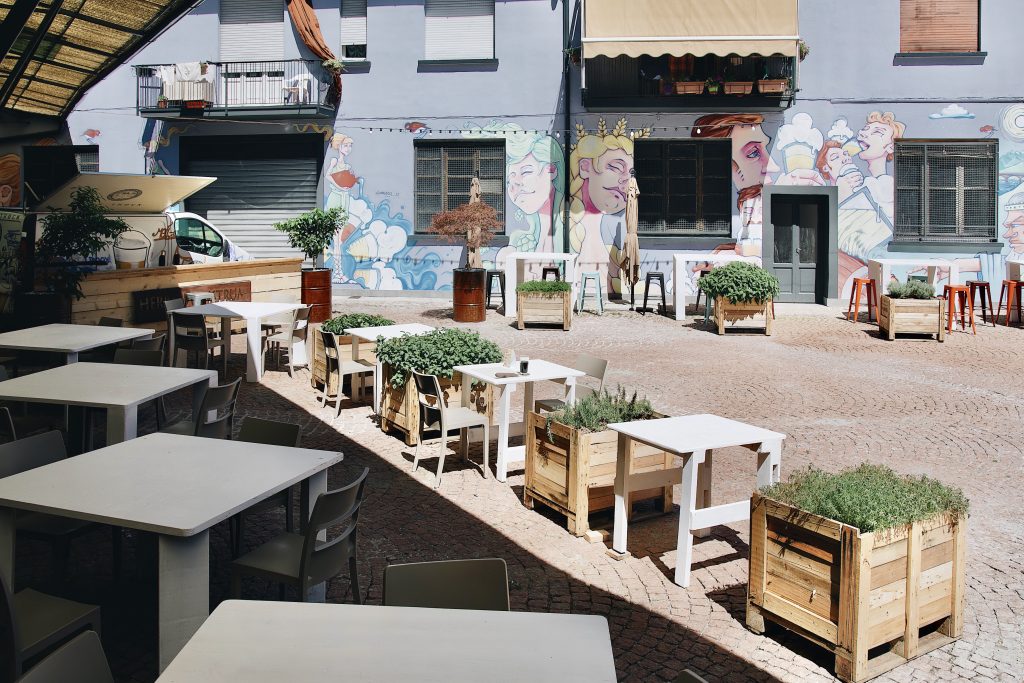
{"x":911,"y":307}
{"x":544,"y":301}
{"x":311,"y":233}
{"x":571,"y":455}
{"x":339,"y":326}
{"x":741,"y":290}
{"x":433,"y":353}
{"x":474,"y":224}
{"x":860,"y":560}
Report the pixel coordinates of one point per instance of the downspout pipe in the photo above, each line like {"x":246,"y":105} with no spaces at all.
{"x":567,"y":122}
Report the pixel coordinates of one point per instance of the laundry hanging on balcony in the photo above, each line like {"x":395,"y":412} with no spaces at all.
{"x":187,"y":81}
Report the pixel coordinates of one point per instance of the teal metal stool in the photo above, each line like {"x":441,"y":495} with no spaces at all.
{"x":596,"y":277}
{"x":707,"y":309}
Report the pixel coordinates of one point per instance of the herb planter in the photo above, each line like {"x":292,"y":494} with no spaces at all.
{"x":738,"y":87}
{"x":725,"y":310}
{"x":911,"y":316}
{"x":689,"y":88}
{"x":772,"y":86}
{"x":850,"y":591}
{"x":573,"y":471}
{"x":545,"y":307}
{"x":400,"y":408}
{"x":319,"y":364}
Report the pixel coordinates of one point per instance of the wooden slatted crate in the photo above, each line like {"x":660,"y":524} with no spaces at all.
{"x":726,"y":311}
{"x":911,"y":316}
{"x":545,"y":307}
{"x":400,"y":408}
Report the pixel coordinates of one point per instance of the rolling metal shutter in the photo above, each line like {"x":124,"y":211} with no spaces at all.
{"x":251,"y":30}
{"x":353,"y":22}
{"x":459,"y":29}
{"x":947,"y":26}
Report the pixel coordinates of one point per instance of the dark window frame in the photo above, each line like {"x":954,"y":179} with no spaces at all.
{"x":447,"y":201}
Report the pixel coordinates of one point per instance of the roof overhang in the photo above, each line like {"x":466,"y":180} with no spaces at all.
{"x":126,"y":193}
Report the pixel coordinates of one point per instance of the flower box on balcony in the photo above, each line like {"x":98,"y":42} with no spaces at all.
{"x":738,"y":87}
{"x":196,"y":104}
{"x":772,"y":86}
{"x":690,"y":87}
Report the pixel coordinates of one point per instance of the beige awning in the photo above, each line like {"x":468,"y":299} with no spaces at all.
{"x":696,"y":27}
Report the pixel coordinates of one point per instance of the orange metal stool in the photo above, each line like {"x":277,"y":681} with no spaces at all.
{"x":869,"y":286}
{"x":959,"y":294}
{"x":985,"y":289}
{"x":1011,"y":289}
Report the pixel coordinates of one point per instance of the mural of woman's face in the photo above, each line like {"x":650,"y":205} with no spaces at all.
{"x":346,"y":148}
{"x":750,"y":159}
{"x":6,"y":195}
{"x":530,"y":183}
{"x":835,"y":159}
{"x":1014,"y":234}
{"x":606,"y":179}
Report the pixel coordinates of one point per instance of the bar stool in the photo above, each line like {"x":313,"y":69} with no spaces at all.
{"x":958,"y":294}
{"x":1011,"y":289}
{"x":872,"y":293}
{"x":707,"y":302}
{"x":596,"y":277}
{"x":986,"y":290}
{"x":493,"y":275}
{"x":651,"y":276}
{"x":552,"y":270}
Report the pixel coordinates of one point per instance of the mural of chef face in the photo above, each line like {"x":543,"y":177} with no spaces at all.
{"x":605,"y":180}
{"x":1014,"y":225}
{"x":530,"y":183}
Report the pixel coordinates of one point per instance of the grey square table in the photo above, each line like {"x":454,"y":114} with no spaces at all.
{"x":176,"y":487}
{"x":119,"y":389}
{"x":69,"y":340}
{"x":372,"y":334}
{"x":270,"y":642}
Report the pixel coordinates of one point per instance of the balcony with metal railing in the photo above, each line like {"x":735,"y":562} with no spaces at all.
{"x":271,"y":89}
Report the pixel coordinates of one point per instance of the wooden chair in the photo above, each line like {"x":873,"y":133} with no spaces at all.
{"x":218,"y":400}
{"x":451,"y":584}
{"x":81,"y":659}
{"x":435,"y":414}
{"x":336,"y":366}
{"x":594,"y":367}
{"x":293,"y":335}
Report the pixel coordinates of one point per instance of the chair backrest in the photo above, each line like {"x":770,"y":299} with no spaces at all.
{"x":188,"y":325}
{"x":31,"y":452}
{"x":7,"y":425}
{"x":330,"y":344}
{"x":594,"y":367}
{"x":81,"y":659}
{"x":324,"y":560}
{"x":173,"y":304}
{"x":110,"y":322}
{"x":138,"y":357}
{"x":155,"y":343}
{"x":300,"y":323}
{"x":270,"y":432}
{"x":450,"y":584}
{"x":432,"y":405}
{"x":221,"y":401}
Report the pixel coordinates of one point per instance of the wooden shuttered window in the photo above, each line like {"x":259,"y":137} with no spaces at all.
{"x":939,"y":25}
{"x":251,"y":30}
{"x":459,"y":29}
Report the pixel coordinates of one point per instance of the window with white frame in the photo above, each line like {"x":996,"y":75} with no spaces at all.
{"x":459,"y":29}
{"x":353,"y":29}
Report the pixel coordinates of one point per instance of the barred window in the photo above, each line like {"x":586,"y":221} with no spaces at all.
{"x":685,"y":187}
{"x":445,"y":169}
{"x":946,"y":191}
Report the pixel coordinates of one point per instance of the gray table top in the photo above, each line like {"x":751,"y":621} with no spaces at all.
{"x":61,"y":338}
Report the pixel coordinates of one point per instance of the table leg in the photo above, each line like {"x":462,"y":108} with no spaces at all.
{"x":72,"y":357}
{"x":769,"y":463}
{"x":122,"y":423}
{"x":254,"y":350}
{"x":621,"y":521}
{"x":678,"y":291}
{"x":933,"y":275}
{"x":7,"y":537}
{"x":311,"y":488}
{"x":684,"y":541}
{"x":703,"y":499}
{"x":570,"y":390}
{"x":504,"y":409}
{"x":225,"y":335}
{"x":510,"y":287}
{"x":183,"y":577}
{"x":378,"y":389}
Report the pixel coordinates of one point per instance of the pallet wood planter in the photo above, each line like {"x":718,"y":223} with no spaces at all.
{"x":726,"y":311}
{"x":851,"y":592}
{"x":573,"y":471}
{"x":319,"y":360}
{"x":545,"y":307}
{"x":400,"y":408}
{"x":738,"y":87}
{"x":911,"y":316}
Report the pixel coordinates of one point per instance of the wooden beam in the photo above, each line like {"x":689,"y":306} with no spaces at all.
{"x":14,"y":24}
{"x":23,"y":61}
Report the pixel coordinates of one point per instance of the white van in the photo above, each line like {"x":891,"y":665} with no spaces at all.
{"x":156,"y":237}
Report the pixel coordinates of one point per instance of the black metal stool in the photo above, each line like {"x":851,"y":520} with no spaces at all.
{"x":660,"y":277}
{"x":696,"y":304}
{"x":553,"y":270}
{"x":493,"y":275}
{"x":985,"y":289}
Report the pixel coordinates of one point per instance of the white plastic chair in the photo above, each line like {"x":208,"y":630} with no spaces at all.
{"x":435,"y":414}
{"x":594,"y":367}
{"x":294,"y":335}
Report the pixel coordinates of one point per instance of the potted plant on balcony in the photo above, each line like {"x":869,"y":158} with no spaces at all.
{"x":777,"y":85}
{"x":736,"y":87}
{"x":473,"y":223}
{"x":339,"y":326}
{"x":689,"y":86}
{"x":161,"y":102}
{"x":544,"y":301}
{"x":741,"y":290}
{"x":311,"y":233}
{"x":713,"y":84}
{"x":802,"y":49}
{"x":912,"y":308}
{"x":334,"y":66}
{"x":575,"y":54}
{"x":858,"y":560}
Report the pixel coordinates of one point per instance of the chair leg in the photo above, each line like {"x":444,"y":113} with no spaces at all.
{"x":487,"y":450}
{"x":353,"y":575}
{"x":61,"y":552}
{"x":289,"y":515}
{"x":442,"y":447}
{"x":1002,"y":292}
{"x":664,"y":302}
{"x":236,"y":585}
{"x":600,"y":298}
{"x":647,"y":290}
{"x":416,"y":455}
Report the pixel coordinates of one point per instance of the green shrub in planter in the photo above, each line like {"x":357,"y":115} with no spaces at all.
{"x":740,"y":282}
{"x":435,"y":353}
{"x":352,"y":321}
{"x":595,"y":412}
{"x":911,"y":289}
{"x":544,"y":287}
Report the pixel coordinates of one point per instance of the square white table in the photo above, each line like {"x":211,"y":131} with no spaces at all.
{"x":119,"y":389}
{"x":253,"y":312}
{"x":372,"y":334}
{"x":540,"y":371}
{"x":515,"y":269}
{"x":693,"y":437}
{"x":270,"y":642}
{"x":176,"y":487}
{"x":880,"y":270}
{"x":69,"y":340}
{"x":681,"y":263}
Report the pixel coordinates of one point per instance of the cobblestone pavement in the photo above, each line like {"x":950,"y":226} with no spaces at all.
{"x":842,"y":396}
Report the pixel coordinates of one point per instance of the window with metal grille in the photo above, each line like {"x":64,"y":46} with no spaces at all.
{"x":445,"y":169}
{"x":685,"y":187}
{"x":946,"y":191}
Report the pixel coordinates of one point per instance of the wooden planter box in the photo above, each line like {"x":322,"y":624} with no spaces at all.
{"x":850,"y":591}
{"x":689,"y":88}
{"x":917,"y":316}
{"x":574,"y":472}
{"x":772,"y":86}
{"x":400,"y":408}
{"x":318,"y":362}
{"x":738,"y":87}
{"x":537,"y":307}
{"x":728,"y":311}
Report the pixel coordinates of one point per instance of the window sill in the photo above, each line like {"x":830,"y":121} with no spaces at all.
{"x":685,"y":242}
{"x":445,"y":65}
{"x":356,"y":66}
{"x":981,"y":246}
{"x":938,"y":58}
{"x":425,"y":240}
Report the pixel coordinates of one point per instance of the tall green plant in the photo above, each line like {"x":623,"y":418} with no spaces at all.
{"x":351,"y":321}
{"x":74,"y":236}
{"x":739,"y":282}
{"x":434,"y":353}
{"x":312,"y":232}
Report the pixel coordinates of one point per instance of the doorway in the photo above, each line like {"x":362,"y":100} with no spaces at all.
{"x":799,"y":242}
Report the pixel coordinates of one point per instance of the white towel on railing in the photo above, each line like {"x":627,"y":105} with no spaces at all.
{"x":189,"y":71}
{"x":168,"y":75}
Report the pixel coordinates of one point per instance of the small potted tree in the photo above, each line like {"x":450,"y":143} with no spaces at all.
{"x":911,"y":308}
{"x":741,"y":290}
{"x":311,"y":233}
{"x":474,"y":223}
{"x":339,"y":327}
{"x":544,"y":301}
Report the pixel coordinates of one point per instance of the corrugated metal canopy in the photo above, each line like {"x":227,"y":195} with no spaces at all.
{"x":52,"y":51}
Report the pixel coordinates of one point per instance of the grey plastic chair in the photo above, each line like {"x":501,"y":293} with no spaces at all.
{"x":293,"y":334}
{"x":596,"y":368}
{"x":102,"y":354}
{"x":336,"y":366}
{"x":7,"y":426}
{"x":110,"y":322}
{"x":139,"y":357}
{"x":435,"y":414}
{"x":301,"y":560}
{"x":81,"y":659}
{"x":190,"y":335}
{"x":220,"y":400}
{"x":449,"y":584}
{"x":155,"y":343}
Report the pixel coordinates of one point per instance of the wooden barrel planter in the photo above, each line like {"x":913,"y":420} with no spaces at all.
{"x":400,"y":408}
{"x":469,"y":295}
{"x":911,"y":316}
{"x":741,"y":310}
{"x":316,"y":290}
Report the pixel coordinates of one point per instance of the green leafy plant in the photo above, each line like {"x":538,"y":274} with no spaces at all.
{"x":353,"y":321}
{"x":70,"y":239}
{"x":911,"y":289}
{"x":544,"y":287}
{"x":312,"y":231}
{"x":434,"y":353}
{"x":334,"y":65}
{"x":739,"y":282}
{"x":869,"y":497}
{"x":803,"y":49}
{"x":595,"y":412}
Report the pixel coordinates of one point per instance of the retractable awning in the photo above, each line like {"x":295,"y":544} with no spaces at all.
{"x":697,"y":27}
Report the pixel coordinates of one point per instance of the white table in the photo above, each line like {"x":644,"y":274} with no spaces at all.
{"x":515,"y":269}
{"x":176,"y":487}
{"x":693,"y":437}
{"x":118,"y":389}
{"x":880,"y":270}
{"x":253,"y":312}
{"x":270,"y":642}
{"x":372,"y":334}
{"x":540,"y":371}
{"x":69,"y":340}
{"x":682,"y":262}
